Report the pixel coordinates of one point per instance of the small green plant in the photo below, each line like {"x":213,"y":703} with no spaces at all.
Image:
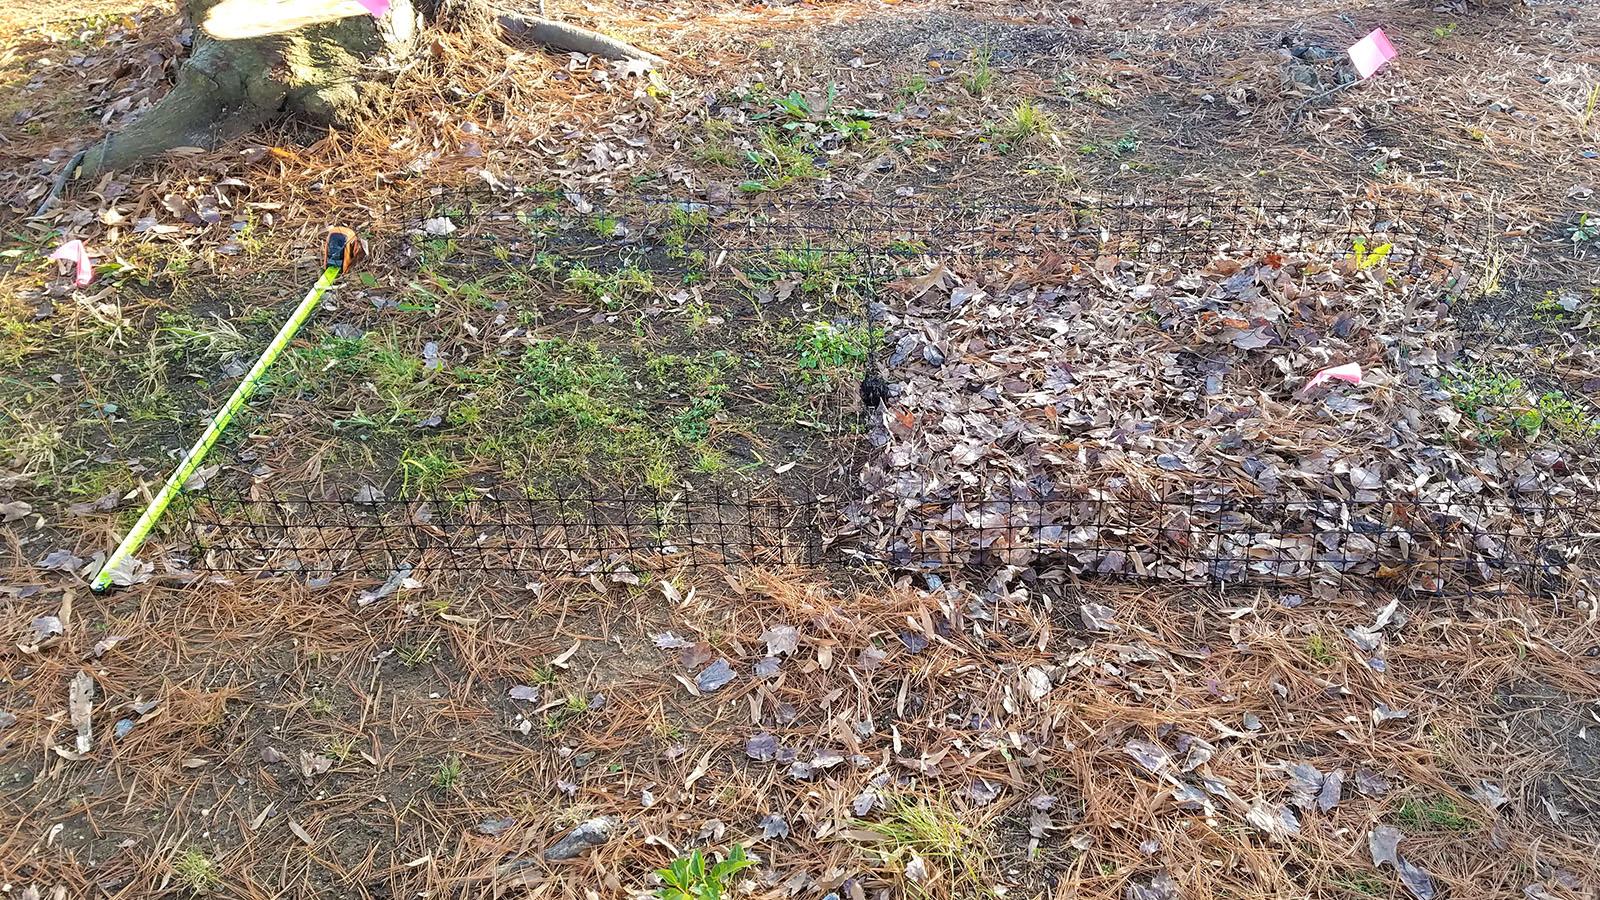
{"x":1318,"y":649}
{"x":915,"y":87}
{"x":1444,"y":32}
{"x":1027,"y":121}
{"x":1548,"y":309}
{"x":931,"y":828}
{"x":825,"y":348}
{"x":1586,"y":229}
{"x":1569,"y":420}
{"x":423,"y":472}
{"x":1495,"y":401}
{"x":605,"y":226}
{"x":196,"y":872}
{"x":795,"y":106}
{"x":612,"y":289}
{"x":342,"y":747}
{"x":687,"y":877}
{"x":779,"y":159}
{"x":1587,"y":115}
{"x":1434,"y":813}
{"x":981,"y":78}
{"x":449,"y":772}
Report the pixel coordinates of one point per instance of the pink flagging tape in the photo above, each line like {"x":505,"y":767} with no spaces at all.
{"x":1350,"y":372}
{"x":74,"y":252}
{"x":1371,"y":52}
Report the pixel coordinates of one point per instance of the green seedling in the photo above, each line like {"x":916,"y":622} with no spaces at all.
{"x":688,"y":877}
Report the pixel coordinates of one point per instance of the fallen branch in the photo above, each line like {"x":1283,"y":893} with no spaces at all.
{"x":565,"y":36}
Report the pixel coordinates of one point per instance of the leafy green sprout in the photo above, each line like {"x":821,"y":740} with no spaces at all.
{"x":1367,"y":259}
{"x":449,"y":772}
{"x":824,"y":348}
{"x":1586,"y":230}
{"x":689,"y":878}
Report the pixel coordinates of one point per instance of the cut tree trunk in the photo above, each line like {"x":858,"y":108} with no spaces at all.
{"x":313,"y":73}
{"x":227,"y":88}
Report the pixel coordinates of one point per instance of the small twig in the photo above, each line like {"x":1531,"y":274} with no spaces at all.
{"x":60,"y":183}
{"x":1300,"y":110}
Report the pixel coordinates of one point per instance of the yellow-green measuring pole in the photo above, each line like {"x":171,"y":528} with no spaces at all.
{"x":197,"y":454}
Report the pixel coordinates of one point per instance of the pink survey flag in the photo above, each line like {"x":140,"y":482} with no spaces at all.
{"x":75,"y":253}
{"x":1350,"y":372}
{"x":1371,"y":52}
{"x":376,"y":7}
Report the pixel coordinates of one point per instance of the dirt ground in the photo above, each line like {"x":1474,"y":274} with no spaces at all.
{"x":1016,"y":728}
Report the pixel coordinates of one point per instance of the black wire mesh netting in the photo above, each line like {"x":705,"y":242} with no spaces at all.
{"x":1310,"y":545}
{"x":749,"y":230}
{"x":1454,"y":549}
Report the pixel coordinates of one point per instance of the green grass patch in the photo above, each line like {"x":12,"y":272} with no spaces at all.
{"x":930,"y":827}
{"x":980,"y":77}
{"x":1434,"y":813}
{"x":824,"y":350}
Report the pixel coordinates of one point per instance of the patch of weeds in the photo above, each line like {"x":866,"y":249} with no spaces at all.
{"x":319,"y":705}
{"x":779,"y":160}
{"x":932,"y":829}
{"x":1569,"y":420}
{"x":1318,"y":648}
{"x":611,"y":289}
{"x":825,"y":348}
{"x":450,"y":770}
{"x":1495,"y":401}
{"x":423,"y":472}
{"x":1549,"y":310}
{"x":434,"y":253}
{"x":688,"y":878}
{"x":573,"y":708}
{"x":196,"y":872}
{"x":1444,"y":32}
{"x":821,"y":273}
{"x":605,"y":226}
{"x":715,"y":149}
{"x":1128,"y":143}
{"x":1027,"y":121}
{"x":684,"y":223}
{"x":1434,"y":813}
{"x":981,"y":77}
{"x":416,"y":653}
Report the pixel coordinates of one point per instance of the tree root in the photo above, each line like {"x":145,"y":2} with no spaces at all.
{"x":221,"y":93}
{"x":60,"y":183}
{"x":565,"y":36}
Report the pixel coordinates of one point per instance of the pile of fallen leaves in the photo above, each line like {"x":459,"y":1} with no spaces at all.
{"x":1119,"y":420}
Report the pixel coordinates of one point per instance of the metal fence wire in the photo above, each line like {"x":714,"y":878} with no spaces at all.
{"x":670,"y":233}
{"x":1391,"y":544}
{"x":1453,"y":549}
